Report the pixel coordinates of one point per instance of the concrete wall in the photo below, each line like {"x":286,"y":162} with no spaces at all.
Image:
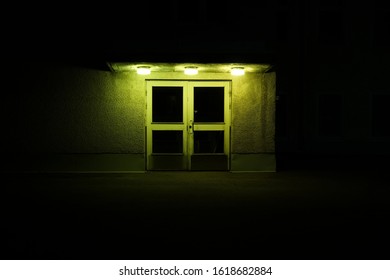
{"x":254,"y":113}
{"x":253,"y":125}
{"x":74,"y":119}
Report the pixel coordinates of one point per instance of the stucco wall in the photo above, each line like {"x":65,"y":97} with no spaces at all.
{"x":253,"y":113}
{"x":78,"y":110}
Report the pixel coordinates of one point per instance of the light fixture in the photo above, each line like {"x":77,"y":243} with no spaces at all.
{"x":237,"y":71}
{"x":143,"y":70}
{"x":191,"y":70}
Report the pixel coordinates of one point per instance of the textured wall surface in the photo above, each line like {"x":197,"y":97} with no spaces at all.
{"x":253,"y":110}
{"x":268,"y":112}
{"x":78,"y":110}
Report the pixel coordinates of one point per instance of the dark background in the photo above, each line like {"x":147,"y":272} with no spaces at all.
{"x":330,"y":58}
{"x":332,"y":129}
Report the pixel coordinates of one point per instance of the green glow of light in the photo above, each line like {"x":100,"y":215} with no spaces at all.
{"x":143,"y":70}
{"x":237,"y":71}
{"x":191,"y":70}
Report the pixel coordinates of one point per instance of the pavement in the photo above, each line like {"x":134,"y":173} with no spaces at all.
{"x":301,"y":213}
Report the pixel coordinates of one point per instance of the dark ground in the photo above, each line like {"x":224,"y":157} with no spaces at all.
{"x":303,"y":211}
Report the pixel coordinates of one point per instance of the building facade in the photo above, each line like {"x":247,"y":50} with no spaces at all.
{"x":316,"y":86}
{"x":73,"y":119}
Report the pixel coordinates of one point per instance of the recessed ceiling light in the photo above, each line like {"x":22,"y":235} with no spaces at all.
{"x":237,"y":71}
{"x":143,"y":70}
{"x":191,"y":70}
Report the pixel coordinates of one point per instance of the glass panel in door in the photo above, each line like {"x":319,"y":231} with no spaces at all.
{"x":208,"y":104}
{"x":167,"y":104}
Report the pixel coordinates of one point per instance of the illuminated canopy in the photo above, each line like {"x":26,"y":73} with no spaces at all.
{"x":181,"y":67}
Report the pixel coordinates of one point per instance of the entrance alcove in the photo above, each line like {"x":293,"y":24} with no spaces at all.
{"x":208,"y":120}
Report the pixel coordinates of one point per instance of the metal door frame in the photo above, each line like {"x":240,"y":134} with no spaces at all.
{"x":187,"y":126}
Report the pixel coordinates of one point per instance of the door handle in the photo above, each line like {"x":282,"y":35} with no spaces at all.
{"x":191,"y":127}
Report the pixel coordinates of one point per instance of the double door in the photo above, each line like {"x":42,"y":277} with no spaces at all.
{"x":188,"y":125}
